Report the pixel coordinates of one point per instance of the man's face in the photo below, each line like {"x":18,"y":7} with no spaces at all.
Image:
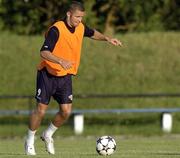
{"x":75,"y":17}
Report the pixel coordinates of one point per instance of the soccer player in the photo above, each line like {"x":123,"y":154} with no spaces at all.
{"x":60,"y":58}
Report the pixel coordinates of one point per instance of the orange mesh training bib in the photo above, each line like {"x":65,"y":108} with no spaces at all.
{"x":68,"y":47}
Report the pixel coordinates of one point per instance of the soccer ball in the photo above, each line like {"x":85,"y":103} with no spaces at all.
{"x":105,"y":145}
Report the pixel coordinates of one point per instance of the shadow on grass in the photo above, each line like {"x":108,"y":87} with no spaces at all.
{"x":21,"y":155}
{"x":88,"y":154}
{"x":9,"y":154}
{"x":166,"y":154}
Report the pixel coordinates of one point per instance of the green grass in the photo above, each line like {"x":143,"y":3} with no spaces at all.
{"x":148,"y":63}
{"x":84,"y":147}
{"x":123,"y":124}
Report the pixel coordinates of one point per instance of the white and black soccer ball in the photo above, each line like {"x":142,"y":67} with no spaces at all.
{"x":105,"y":145}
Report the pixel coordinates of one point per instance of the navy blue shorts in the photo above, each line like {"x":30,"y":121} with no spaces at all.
{"x":47,"y":85}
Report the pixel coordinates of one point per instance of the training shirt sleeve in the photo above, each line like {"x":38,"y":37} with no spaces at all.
{"x":50,"y":39}
{"x":88,"y":32}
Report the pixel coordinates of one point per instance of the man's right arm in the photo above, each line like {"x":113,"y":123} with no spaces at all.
{"x":50,"y":57}
{"x":48,"y":47}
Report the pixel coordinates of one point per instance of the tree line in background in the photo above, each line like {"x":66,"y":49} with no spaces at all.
{"x":112,"y":16}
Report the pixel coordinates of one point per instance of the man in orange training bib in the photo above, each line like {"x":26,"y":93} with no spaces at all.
{"x":60,"y":58}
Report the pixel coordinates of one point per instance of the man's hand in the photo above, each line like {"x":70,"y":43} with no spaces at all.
{"x":66,"y":64}
{"x":114,"y":41}
{"x":99,"y":36}
{"x":50,"y":57}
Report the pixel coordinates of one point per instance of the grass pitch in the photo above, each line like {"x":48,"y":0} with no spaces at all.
{"x":84,"y":147}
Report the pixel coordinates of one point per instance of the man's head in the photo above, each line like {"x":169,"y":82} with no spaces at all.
{"x":75,"y":13}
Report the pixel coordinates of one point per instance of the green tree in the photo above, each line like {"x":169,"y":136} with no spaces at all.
{"x":137,"y":15}
{"x":171,"y":14}
{"x":31,"y":16}
{"x":35,"y":16}
{"x":91,"y":19}
{"x":106,"y":11}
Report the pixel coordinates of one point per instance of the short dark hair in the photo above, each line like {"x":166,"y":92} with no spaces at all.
{"x":75,"y":5}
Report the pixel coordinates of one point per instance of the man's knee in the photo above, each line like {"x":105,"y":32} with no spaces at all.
{"x":65,"y":111}
{"x":65,"y":115}
{"x":41,"y":109}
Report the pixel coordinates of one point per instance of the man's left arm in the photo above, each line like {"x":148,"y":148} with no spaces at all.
{"x":99,"y":36}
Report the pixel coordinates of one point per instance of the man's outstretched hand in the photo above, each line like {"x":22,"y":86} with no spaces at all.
{"x":114,"y":41}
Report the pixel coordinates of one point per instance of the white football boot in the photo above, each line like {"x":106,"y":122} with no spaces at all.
{"x":49,"y":143}
{"x":29,"y":149}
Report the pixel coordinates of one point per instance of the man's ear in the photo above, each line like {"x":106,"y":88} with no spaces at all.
{"x":68,"y":14}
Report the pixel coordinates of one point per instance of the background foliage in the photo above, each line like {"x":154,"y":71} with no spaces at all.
{"x":34,"y":16}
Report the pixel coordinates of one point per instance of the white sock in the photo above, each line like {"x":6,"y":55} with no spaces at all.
{"x":30,"y":137}
{"x":50,"y":130}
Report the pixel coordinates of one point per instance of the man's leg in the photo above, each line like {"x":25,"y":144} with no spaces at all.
{"x":60,"y":118}
{"x":62,"y":115}
{"x":37,"y":116}
{"x":35,"y":121}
